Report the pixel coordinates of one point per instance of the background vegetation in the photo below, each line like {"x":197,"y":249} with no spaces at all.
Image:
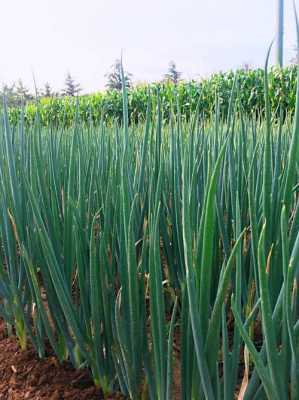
{"x":176,"y":96}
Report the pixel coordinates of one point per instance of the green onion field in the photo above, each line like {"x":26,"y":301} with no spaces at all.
{"x":156,"y":248}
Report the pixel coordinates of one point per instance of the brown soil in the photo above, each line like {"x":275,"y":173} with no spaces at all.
{"x":24,"y":376}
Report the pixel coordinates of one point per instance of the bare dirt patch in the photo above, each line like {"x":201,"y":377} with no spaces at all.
{"x":24,"y":376}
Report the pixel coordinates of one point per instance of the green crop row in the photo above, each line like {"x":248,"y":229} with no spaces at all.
{"x":185,"y":97}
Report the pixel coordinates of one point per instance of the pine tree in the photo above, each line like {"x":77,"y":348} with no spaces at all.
{"x":10,"y":95}
{"x":173,"y":75}
{"x":47,"y":92}
{"x":22,"y":93}
{"x":71,"y":87}
{"x":114,"y":79}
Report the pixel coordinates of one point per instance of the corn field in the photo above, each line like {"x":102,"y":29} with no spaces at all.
{"x":200,"y":94}
{"x":169,"y":246}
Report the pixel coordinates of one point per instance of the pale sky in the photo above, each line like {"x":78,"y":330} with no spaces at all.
{"x":52,"y":37}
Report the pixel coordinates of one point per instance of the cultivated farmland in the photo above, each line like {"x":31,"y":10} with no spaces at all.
{"x":157,"y":250}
